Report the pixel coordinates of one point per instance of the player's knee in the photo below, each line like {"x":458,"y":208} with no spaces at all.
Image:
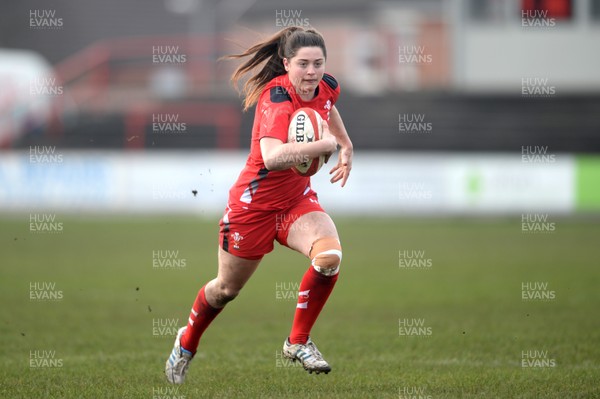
{"x":225,"y":294}
{"x":326,"y":256}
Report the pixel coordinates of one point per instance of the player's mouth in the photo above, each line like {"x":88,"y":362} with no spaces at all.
{"x":311,"y":81}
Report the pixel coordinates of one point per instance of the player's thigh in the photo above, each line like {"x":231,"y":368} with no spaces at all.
{"x":308,"y":228}
{"x":234,"y":271}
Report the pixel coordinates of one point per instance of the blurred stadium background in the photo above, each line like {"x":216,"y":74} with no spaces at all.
{"x":132,"y":99}
{"x":476,"y":108}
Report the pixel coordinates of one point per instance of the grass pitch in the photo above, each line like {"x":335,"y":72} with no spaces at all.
{"x":89,"y":312}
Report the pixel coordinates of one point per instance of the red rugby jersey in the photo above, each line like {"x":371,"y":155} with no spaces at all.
{"x":256,"y":187}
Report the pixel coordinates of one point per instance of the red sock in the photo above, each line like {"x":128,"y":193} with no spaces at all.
{"x":201,"y":316}
{"x":314,"y":291}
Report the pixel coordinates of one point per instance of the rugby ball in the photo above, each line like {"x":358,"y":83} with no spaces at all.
{"x":306,"y":127}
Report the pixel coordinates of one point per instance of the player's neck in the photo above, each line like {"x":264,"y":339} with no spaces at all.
{"x":307,"y":96}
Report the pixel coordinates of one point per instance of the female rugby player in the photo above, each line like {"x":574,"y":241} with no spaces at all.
{"x":267,"y":192}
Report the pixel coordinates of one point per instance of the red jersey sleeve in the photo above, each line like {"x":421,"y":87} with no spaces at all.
{"x":332,"y":86}
{"x":276,"y":108}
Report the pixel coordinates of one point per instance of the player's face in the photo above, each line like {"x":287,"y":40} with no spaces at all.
{"x":306,"y":69}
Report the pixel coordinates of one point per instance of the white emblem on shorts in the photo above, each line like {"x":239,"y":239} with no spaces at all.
{"x":236,"y":237}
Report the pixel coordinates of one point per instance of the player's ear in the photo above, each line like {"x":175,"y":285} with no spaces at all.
{"x":286,"y":64}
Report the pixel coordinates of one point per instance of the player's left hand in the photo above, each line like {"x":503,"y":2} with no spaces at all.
{"x":341,"y":171}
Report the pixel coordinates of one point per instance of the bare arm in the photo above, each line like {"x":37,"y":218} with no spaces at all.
{"x":338,"y":130}
{"x":341,"y":171}
{"x":279,"y":156}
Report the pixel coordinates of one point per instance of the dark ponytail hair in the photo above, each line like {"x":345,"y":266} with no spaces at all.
{"x":283,"y":44}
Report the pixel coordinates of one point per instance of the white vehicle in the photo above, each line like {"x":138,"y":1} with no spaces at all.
{"x":31,"y":96}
